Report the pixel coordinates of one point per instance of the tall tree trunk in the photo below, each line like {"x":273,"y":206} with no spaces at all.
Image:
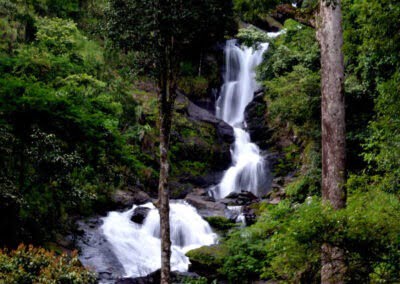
{"x":166,"y":104}
{"x":163,"y":195}
{"x":330,"y":36}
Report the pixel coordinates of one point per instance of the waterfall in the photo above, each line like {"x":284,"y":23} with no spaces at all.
{"x":138,"y":246}
{"x":248,"y":171}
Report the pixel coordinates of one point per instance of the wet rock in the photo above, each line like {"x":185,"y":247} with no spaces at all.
{"x":153,"y":277}
{"x":225,"y":132}
{"x":249,"y":215}
{"x":239,"y":198}
{"x":139,"y":214}
{"x":205,"y":204}
{"x":256,"y":122}
{"x":96,"y":253}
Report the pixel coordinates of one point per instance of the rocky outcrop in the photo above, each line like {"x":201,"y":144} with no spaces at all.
{"x":255,"y":117}
{"x":196,"y":113}
{"x":205,"y":204}
{"x":239,"y":198}
{"x":206,"y":260}
{"x":96,"y":252}
{"x":127,"y":198}
{"x":139,"y":214}
{"x":200,"y":148}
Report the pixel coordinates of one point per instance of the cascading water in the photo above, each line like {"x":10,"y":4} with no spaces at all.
{"x":138,"y":246}
{"x":248,"y":170}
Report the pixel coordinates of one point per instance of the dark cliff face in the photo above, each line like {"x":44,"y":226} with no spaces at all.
{"x":255,"y":117}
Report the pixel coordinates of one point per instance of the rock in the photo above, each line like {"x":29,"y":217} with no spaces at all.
{"x":206,"y":180}
{"x":96,"y":252}
{"x":179,"y":190}
{"x":256,"y":122}
{"x":241,"y":198}
{"x":197,"y":113}
{"x":225,"y":132}
{"x":206,"y":260}
{"x":249,"y":215}
{"x":205,"y":204}
{"x":127,"y":198}
{"x":154,"y":277}
{"x":139,"y":214}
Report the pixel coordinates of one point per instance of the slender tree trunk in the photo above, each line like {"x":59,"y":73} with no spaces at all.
{"x":163,"y":194}
{"x":166,"y":104}
{"x":330,"y":36}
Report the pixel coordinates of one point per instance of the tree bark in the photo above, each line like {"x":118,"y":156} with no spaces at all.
{"x":163,"y":194}
{"x":166,"y":102}
{"x":163,"y":190}
{"x":330,"y":37}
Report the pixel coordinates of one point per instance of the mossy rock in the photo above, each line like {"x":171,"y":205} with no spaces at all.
{"x":207,"y":260}
{"x":220,"y":223}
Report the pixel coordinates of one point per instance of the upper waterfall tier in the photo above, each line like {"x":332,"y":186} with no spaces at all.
{"x":239,"y":81}
{"x":249,"y":171}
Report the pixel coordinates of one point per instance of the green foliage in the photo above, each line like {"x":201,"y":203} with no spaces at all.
{"x":252,"y":36}
{"x":294,"y":100}
{"x":65,"y":145}
{"x":291,"y":77}
{"x":208,"y":259}
{"x":381,"y":148}
{"x":195,"y":87}
{"x":27,"y":265}
{"x":285,"y":242}
{"x":250,"y":10}
{"x":167,"y":33}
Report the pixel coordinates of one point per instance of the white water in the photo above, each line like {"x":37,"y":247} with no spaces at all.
{"x":138,"y":247}
{"x":247,"y":172}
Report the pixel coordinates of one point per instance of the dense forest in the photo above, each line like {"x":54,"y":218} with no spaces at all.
{"x":93,"y":92}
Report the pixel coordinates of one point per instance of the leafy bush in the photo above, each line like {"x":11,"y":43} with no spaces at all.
{"x":68,"y":129}
{"x":252,"y":36}
{"x":28,"y":264}
{"x":285,"y":242}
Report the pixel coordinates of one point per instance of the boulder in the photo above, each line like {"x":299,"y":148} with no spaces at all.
{"x":179,"y":190}
{"x":225,"y":132}
{"x":127,"y":198}
{"x":249,"y":215}
{"x":205,"y":204}
{"x":239,"y":198}
{"x":139,"y":214}
{"x":206,"y":260}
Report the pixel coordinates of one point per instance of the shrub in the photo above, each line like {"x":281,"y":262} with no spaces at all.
{"x":28,"y":264}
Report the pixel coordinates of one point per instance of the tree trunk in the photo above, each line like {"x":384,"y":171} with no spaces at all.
{"x":166,"y":101}
{"x":330,"y":36}
{"x":163,"y":195}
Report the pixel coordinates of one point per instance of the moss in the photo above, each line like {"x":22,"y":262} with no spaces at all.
{"x":220,"y":223}
{"x":193,"y":147}
{"x":207,"y":260}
